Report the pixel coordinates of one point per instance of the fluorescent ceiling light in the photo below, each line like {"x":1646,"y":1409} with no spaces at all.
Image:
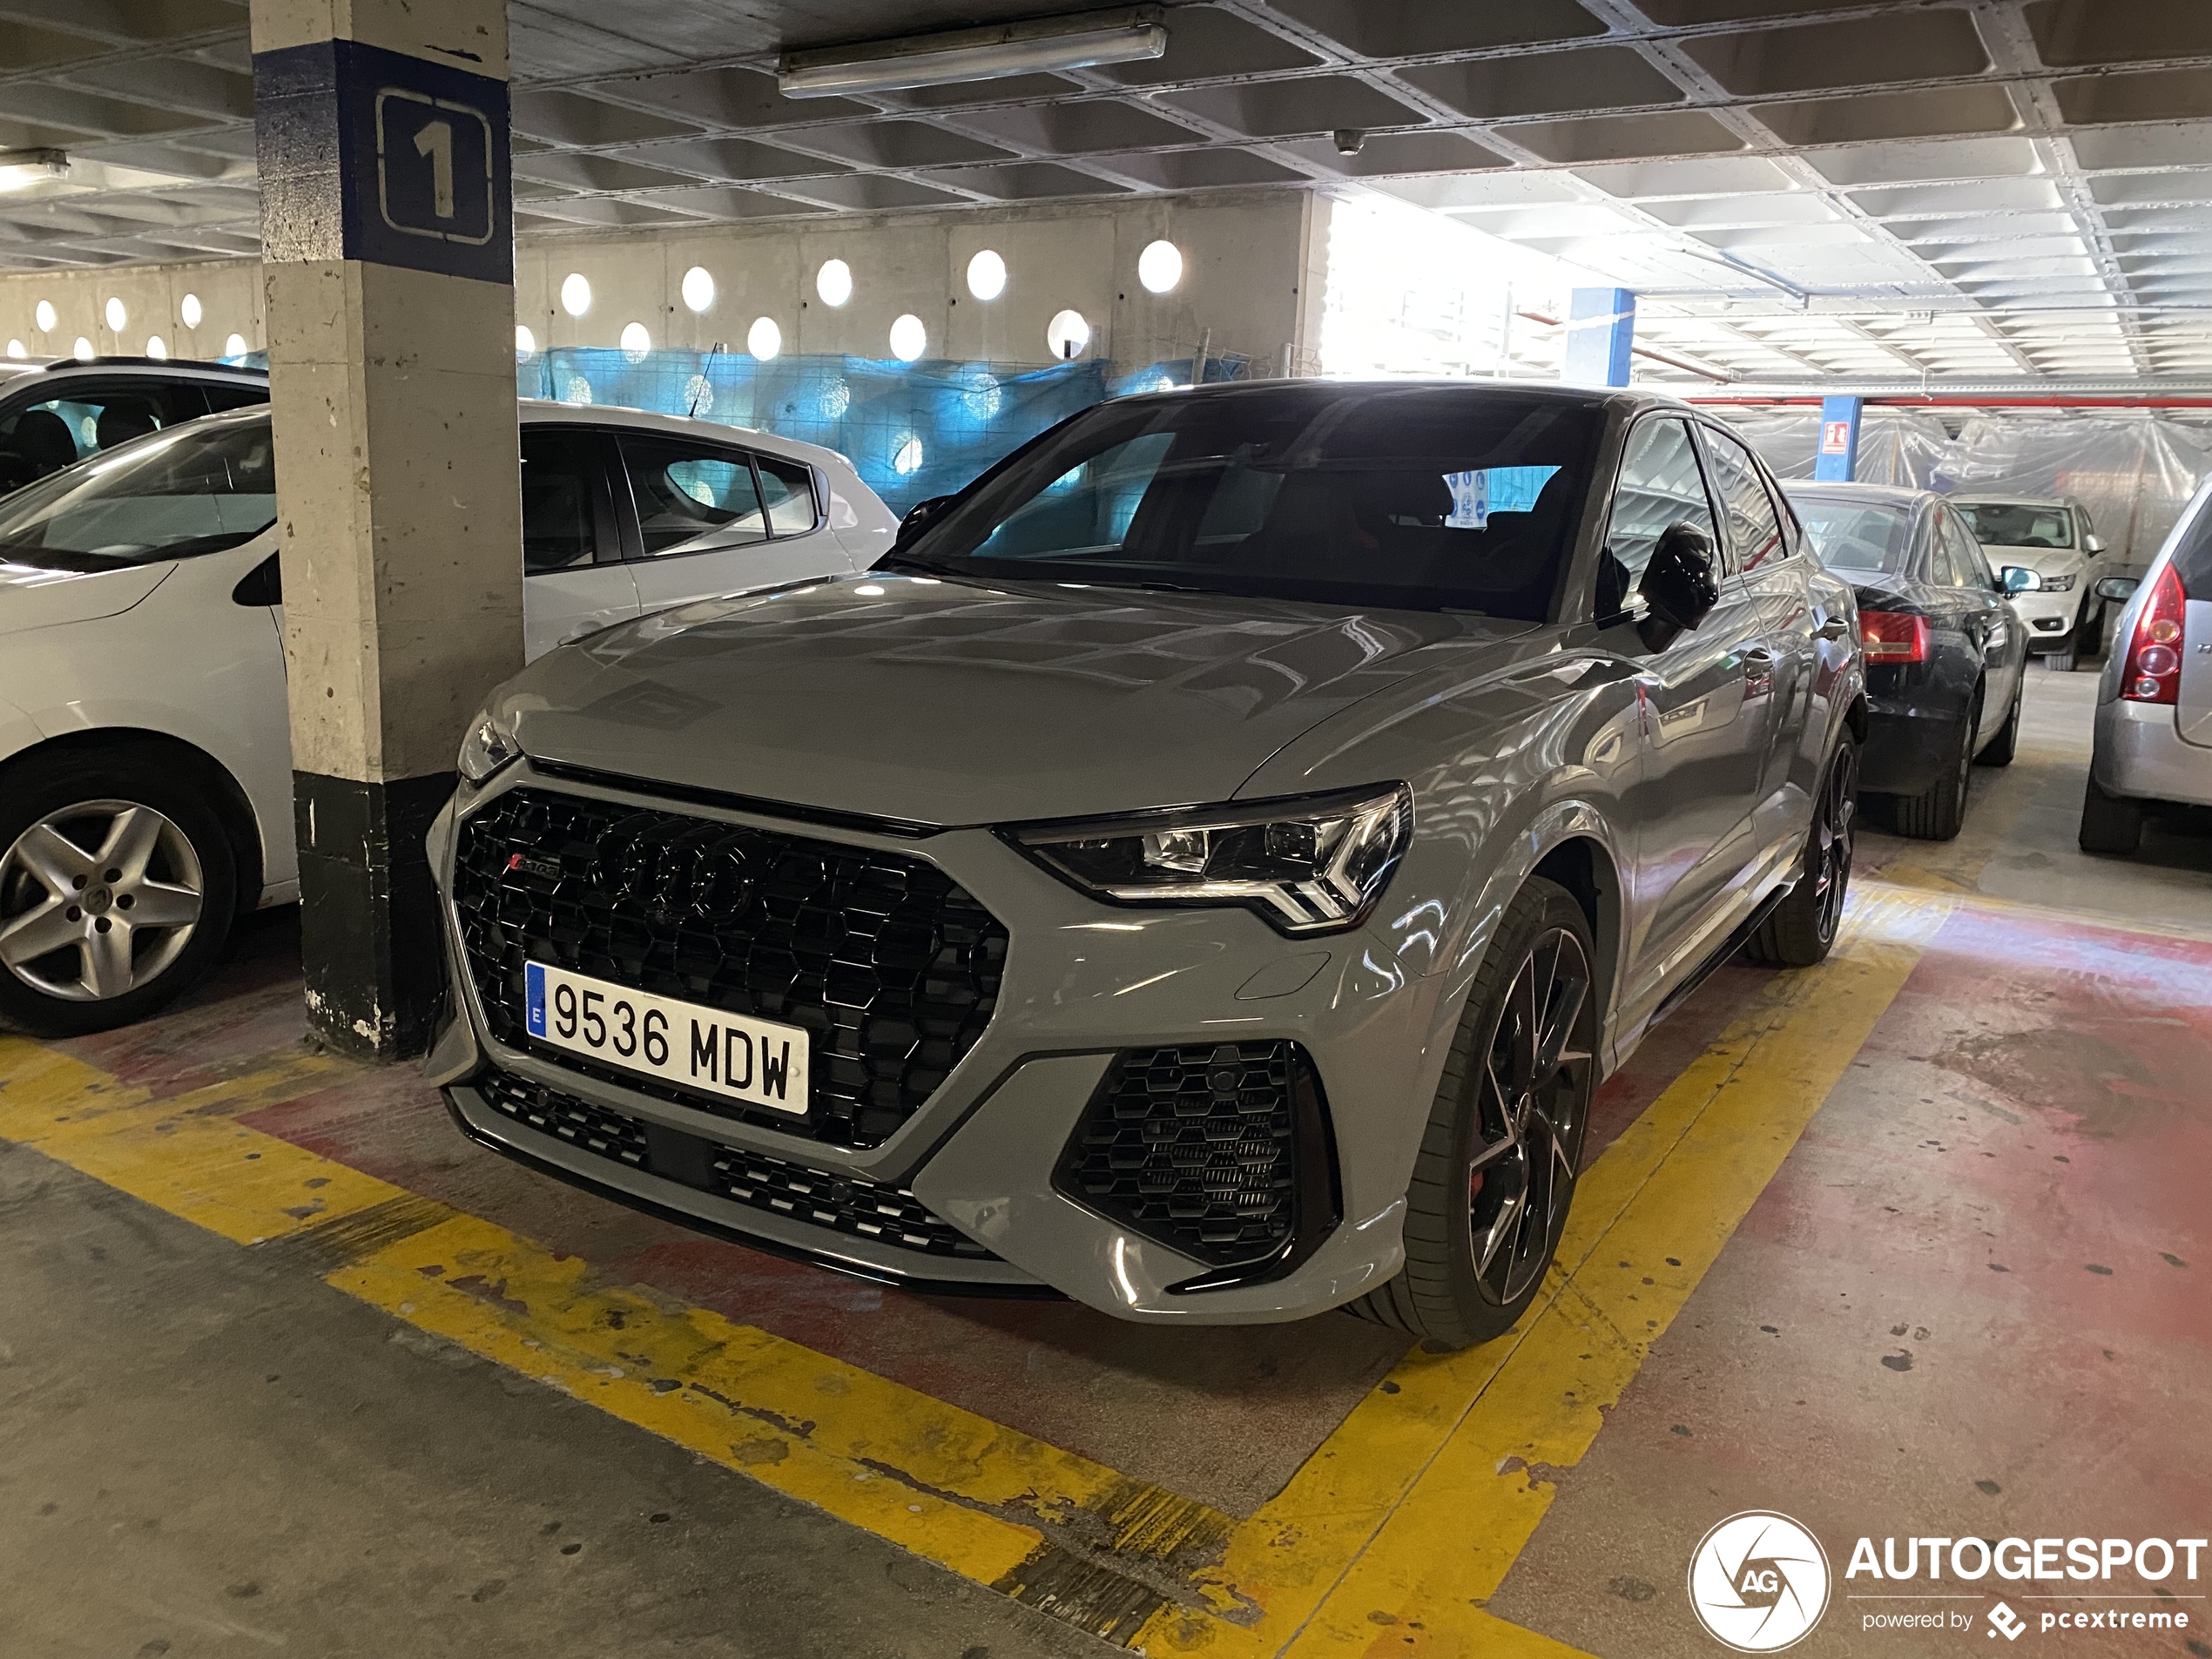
{"x":1080,"y":40}
{"x":22,"y":168}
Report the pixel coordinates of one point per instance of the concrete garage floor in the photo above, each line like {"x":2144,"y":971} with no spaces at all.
{"x":1914,"y":1244}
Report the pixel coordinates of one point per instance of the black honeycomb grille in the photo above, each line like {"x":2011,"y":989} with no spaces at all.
{"x":1201,"y":1148}
{"x":845,"y":1204}
{"x":890,"y":966}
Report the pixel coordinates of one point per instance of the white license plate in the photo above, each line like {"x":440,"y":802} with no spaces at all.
{"x":758,"y":1062}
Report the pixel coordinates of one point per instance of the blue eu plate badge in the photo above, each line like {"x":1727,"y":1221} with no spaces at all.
{"x":534,"y":993}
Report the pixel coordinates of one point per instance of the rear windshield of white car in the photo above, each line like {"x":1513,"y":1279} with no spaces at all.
{"x":1856,"y":535}
{"x":2003,"y":524}
{"x":1410,"y":497}
{"x":194,"y":489}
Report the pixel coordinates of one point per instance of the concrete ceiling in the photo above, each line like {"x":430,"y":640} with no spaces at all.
{"x":1799,"y":189}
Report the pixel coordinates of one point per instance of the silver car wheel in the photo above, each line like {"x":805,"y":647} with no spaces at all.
{"x":97,"y":900}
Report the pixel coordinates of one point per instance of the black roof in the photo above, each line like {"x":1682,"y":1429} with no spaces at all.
{"x":60,"y":363}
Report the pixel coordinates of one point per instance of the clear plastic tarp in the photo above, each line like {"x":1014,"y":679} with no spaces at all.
{"x":1900,"y":446}
{"x":2133,"y":470}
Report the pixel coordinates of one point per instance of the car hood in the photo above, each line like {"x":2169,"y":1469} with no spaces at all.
{"x":947,"y":703}
{"x":32,"y":597}
{"x":2044,"y":561}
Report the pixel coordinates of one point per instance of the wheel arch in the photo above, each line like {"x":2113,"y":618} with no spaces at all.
{"x":1584,"y":866}
{"x":228,"y":796}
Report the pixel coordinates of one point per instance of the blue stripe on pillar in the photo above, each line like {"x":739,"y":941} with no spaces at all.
{"x":1836,"y":460}
{"x":1601,"y":333}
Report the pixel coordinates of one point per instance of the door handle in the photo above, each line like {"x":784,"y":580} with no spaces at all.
{"x":1834,"y":628}
{"x":1759,"y":672}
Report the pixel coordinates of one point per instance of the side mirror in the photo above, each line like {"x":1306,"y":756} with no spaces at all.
{"x":1680,"y":584}
{"x":2094,"y":544}
{"x":2120,"y":588}
{"x":2017,"y":578}
{"x":262,"y":585}
{"x":919,"y":516}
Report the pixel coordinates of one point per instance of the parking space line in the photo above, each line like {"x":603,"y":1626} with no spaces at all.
{"x":1409,"y":1516}
{"x":1400,"y":1525}
{"x":1048,"y":1527}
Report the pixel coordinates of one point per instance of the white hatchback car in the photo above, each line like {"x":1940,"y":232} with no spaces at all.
{"x":146,"y":763}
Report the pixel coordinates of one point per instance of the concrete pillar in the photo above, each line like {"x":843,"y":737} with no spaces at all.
{"x":1838,"y":459}
{"x":1600,"y":334}
{"x":388,"y":252}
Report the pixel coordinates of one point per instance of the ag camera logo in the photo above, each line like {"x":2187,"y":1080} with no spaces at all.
{"x":1758,"y":1582}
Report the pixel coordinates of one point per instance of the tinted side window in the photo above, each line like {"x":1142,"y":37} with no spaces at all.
{"x":220,"y":397}
{"x":1754,"y":530}
{"x":1966,"y":553}
{"x":1660,"y":484}
{"x":2192,"y":554}
{"x":560,"y":521}
{"x":789,"y":490}
{"x":687,"y":493}
{"x":84,"y":417}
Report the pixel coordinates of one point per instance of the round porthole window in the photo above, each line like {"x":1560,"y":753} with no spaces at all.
{"x":235,"y":346}
{"x":764,"y":340}
{"x":1160,"y":266}
{"x":833,"y":282}
{"x":189,"y":310}
{"x":698,"y":289}
{"x":1068,"y":335}
{"x":575,"y":293}
{"x":157,"y":347}
{"x":117,"y":316}
{"x":987,"y":275}
{"x":908,"y":337}
{"x":525,"y":342}
{"x":45,"y":316}
{"x":636,"y":343}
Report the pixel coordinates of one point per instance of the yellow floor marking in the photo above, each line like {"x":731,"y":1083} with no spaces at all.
{"x":1400,"y":1524}
{"x":1416,"y":1507}
{"x":946,"y":1483}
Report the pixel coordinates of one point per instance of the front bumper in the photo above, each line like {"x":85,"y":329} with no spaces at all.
{"x":2140,"y":753}
{"x":2050,"y":618}
{"x":1082,"y":983}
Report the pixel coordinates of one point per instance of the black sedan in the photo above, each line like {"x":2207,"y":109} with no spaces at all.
{"x":1943,"y":651}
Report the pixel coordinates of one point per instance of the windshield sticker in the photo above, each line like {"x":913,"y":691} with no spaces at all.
{"x":1477,"y":495}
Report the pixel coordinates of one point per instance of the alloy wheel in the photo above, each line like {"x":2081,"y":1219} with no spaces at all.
{"x":1833,"y":833}
{"x":1533,"y":1095}
{"x":97,"y":900}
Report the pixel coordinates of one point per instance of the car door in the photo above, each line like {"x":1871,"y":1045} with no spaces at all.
{"x":1984,"y":616}
{"x":708,"y":519}
{"x":574,"y":579}
{"x":1784,"y":664}
{"x":1704,"y":741}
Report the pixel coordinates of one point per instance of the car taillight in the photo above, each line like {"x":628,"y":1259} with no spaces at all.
{"x":1893,"y":636}
{"x":2153,"y":672}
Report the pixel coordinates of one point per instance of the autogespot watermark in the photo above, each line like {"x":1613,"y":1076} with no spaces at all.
{"x":1760,"y":1581}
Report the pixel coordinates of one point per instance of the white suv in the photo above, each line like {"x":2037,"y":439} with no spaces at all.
{"x":2051,"y":538}
{"x":145,"y":757}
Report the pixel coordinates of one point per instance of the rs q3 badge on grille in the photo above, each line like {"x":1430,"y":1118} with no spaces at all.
{"x":537,"y":863}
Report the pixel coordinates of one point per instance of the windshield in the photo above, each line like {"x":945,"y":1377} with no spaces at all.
{"x":2010,"y":524}
{"x":194,"y":489}
{"x":1413,"y":498}
{"x":1856,"y":535}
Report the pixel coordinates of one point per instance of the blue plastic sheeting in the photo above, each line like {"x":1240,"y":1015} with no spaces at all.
{"x":911,"y":430}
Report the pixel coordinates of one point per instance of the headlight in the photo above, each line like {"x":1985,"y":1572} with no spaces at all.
{"x":1312,"y":865}
{"x":489,"y":748}
{"x":2057,"y":584}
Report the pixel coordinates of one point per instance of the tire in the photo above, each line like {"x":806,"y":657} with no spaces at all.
{"x":1802,"y":929}
{"x":2089,"y":637}
{"x":2000,"y":750}
{"x":1503,"y":1145}
{"x":2110,"y":823}
{"x":1940,"y":813}
{"x":62,"y":820}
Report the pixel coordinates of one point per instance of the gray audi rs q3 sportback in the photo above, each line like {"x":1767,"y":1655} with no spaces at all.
{"x":1205,"y":869}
